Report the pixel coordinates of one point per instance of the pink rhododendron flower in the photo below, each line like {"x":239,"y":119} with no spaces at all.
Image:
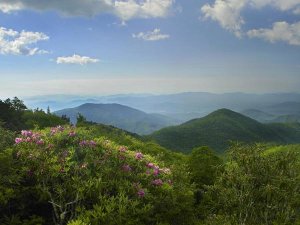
{"x":150,"y":165}
{"x":40,"y":142}
{"x":60,"y":128}
{"x":92,"y":144}
{"x":35,"y":136}
{"x":72,"y":134}
{"x":18,"y":140}
{"x":126,"y":168}
{"x":139,"y":155}
{"x":122,"y":149}
{"x":141,"y":193}
{"x":157,"y":182}
{"x":88,"y":144}
{"x":156,"y":172}
{"x":165,"y":170}
{"x":26,"y":133}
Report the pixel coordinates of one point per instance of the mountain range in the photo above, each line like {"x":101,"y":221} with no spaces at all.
{"x":120,"y":116}
{"x":182,"y":106}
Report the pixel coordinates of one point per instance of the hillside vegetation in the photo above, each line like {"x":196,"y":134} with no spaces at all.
{"x":93,"y":174}
{"x":219,"y":128}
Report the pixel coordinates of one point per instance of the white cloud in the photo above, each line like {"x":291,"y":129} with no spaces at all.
{"x":76,"y":59}
{"x":7,"y":8}
{"x":154,"y":35}
{"x":124,"y":9}
{"x":228,"y":12}
{"x":281,"y":31}
{"x":19,"y":43}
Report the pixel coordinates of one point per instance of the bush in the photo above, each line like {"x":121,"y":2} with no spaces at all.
{"x":79,"y":177}
{"x":257,"y":188}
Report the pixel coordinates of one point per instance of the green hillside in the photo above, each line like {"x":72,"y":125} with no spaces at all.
{"x":120,"y":116}
{"x":219,"y":128}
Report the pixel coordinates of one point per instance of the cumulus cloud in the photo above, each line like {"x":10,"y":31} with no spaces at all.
{"x":281,"y":31}
{"x":76,"y":59}
{"x":125,"y":10}
{"x":20,"y":43}
{"x":228,"y":12}
{"x":154,"y":35}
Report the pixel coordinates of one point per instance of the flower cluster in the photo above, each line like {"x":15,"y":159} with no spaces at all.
{"x":139,"y":156}
{"x":29,"y":137}
{"x":57,"y":129}
{"x":157,"y":182}
{"x":91,"y":144}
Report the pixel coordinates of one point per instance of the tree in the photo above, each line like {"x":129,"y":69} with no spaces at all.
{"x":203,"y":165}
{"x":11,"y":113}
{"x":80,"y":118}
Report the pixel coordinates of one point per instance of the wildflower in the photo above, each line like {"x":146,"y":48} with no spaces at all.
{"x":72,"y":134}
{"x":141,"y":193}
{"x":150,"y":165}
{"x":28,"y":139}
{"x":35,"y":137}
{"x":83,"y":143}
{"x":157,"y":182}
{"x":92,"y":144}
{"x":122,"y":149}
{"x":126,"y":168}
{"x":88,"y":144}
{"x":156,"y":172}
{"x":18,"y":140}
{"x":26,"y":133}
{"x":165,"y":170}
{"x":60,"y":128}
{"x":84,"y":166}
{"x":139,"y":156}
{"x":40,"y":142}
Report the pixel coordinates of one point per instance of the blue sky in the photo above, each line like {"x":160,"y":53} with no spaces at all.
{"x":97,"y":47}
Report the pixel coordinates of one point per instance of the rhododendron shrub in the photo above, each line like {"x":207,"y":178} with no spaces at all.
{"x":99,"y":182}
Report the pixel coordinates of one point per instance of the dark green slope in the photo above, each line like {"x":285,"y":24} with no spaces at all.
{"x":120,"y":116}
{"x":219,"y":128}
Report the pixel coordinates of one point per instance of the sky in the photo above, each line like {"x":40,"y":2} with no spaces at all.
{"x":101,"y":47}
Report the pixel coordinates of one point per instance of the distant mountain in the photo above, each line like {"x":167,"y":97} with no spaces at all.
{"x":119,"y":116}
{"x":182,"y":106}
{"x":219,"y":128}
{"x":286,"y":119}
{"x":258,"y":115}
{"x":285,"y":108}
